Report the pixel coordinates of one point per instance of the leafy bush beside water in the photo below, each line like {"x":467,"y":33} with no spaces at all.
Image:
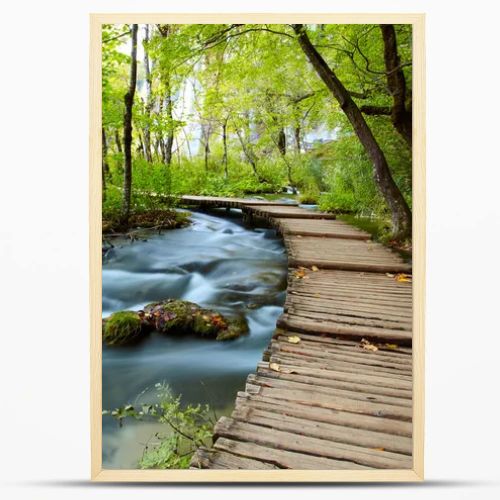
{"x":186,"y":428}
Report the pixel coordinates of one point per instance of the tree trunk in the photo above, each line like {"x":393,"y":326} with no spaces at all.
{"x":298,"y":146}
{"x":207,"y":151}
{"x":118,"y":142}
{"x":400,"y":212}
{"x":127,"y":130}
{"x":170,"y":136}
{"x":282,"y":141}
{"x":105,"y":166}
{"x":224,"y":143}
{"x":400,"y":116}
{"x":249,"y":155}
{"x":147,"y":109}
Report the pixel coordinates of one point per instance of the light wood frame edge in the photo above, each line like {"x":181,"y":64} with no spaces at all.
{"x":419,"y":254}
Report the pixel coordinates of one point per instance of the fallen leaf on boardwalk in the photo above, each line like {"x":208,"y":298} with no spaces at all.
{"x":392,"y":347}
{"x":389,"y":275}
{"x":364,"y":344}
{"x":403,"y":278}
{"x":379,"y":449}
{"x":314,"y":268}
{"x":300,"y":273}
{"x":294,"y":339}
{"x":274,"y":366}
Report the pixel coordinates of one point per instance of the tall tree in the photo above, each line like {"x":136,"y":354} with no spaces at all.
{"x":400,"y":212}
{"x":127,"y":130}
{"x":148,"y":104}
{"x":401,"y":115}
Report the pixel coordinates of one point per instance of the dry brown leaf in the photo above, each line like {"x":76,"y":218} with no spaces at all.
{"x":300,"y":273}
{"x":293,"y":339}
{"x":368,"y":346}
{"x":379,"y":449}
{"x":274,"y":366}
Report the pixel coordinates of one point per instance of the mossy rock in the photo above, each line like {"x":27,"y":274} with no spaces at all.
{"x":171,"y":315}
{"x":236,"y":328}
{"x":121,"y":328}
{"x":183,"y":317}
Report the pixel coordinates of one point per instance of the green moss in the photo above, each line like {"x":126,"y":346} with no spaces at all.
{"x":171,"y":315}
{"x":208,"y":323}
{"x":122,"y":328}
{"x":182,"y":317}
{"x":237,"y":327}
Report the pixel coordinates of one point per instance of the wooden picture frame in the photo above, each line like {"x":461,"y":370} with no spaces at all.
{"x":419,"y":206}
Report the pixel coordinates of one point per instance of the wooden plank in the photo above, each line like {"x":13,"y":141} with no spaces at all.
{"x":282,"y":458}
{"x":323,"y":228}
{"x":330,"y":432}
{"x":343,"y":254}
{"x":297,"y":359}
{"x":323,"y":354}
{"x":355,"y":350}
{"x":349,"y":375}
{"x":341,"y":343}
{"x":277,"y":383}
{"x":283,"y":440}
{"x":217,"y":459}
{"x":288,"y":212}
{"x":290,"y":323}
{"x":315,"y":398}
{"x":327,"y":415}
{"x":334,"y":383}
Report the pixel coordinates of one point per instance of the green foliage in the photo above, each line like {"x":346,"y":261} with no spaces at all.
{"x":253,"y":85}
{"x":186,"y":428}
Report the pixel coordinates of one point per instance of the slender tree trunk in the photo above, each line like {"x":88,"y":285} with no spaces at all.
{"x":118,"y":142}
{"x":141,"y":145}
{"x":207,"y":132}
{"x":249,"y":156}
{"x":147,"y":70}
{"x":127,"y":130}
{"x":165,"y":31}
{"x":400,"y":212}
{"x":105,"y":166}
{"x":298,"y":145}
{"x":207,"y":153}
{"x":401,"y":117}
{"x":282,"y":141}
{"x":224,"y":143}
{"x":170,"y":136}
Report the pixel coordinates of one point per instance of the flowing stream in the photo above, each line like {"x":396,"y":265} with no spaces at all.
{"x":215,"y":262}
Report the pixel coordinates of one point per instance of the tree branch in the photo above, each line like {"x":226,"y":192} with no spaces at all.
{"x":376,"y":110}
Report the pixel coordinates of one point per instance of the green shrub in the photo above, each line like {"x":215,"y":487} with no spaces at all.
{"x":186,"y":429}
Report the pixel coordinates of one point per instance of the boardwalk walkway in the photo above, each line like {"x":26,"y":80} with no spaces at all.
{"x":334,"y":388}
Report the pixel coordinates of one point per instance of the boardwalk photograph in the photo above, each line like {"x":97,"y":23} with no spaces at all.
{"x":255,"y":293}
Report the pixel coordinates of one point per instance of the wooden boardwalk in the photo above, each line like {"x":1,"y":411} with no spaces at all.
{"x":334,"y":388}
